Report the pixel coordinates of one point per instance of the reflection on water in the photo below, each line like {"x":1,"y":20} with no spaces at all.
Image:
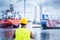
{"x":6,"y":34}
{"x":49,"y":34}
{"x":54,"y":34}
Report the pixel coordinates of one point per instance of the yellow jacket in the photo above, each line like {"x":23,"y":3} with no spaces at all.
{"x":22,"y":34}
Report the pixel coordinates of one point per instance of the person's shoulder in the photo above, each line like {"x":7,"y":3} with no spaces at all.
{"x":28,"y":30}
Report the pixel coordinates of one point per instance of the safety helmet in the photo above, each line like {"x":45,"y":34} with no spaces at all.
{"x":23,"y":21}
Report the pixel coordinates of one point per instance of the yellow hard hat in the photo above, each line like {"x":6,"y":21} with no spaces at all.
{"x":24,"y":21}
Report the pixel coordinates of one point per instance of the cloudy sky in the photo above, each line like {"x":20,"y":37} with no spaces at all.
{"x":50,"y":7}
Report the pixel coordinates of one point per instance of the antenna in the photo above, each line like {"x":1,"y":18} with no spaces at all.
{"x":11,"y":7}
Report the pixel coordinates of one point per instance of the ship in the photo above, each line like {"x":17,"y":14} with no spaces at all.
{"x":10,"y":18}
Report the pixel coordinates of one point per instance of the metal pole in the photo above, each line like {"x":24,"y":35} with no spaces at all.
{"x":40,"y":13}
{"x":35,"y":16}
{"x":24,"y":7}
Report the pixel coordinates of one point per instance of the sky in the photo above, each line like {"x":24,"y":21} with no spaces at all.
{"x":50,"y":7}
